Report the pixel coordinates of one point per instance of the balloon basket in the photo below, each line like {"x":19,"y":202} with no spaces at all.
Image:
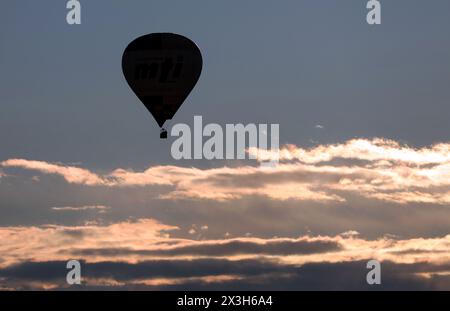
{"x":163,"y":134}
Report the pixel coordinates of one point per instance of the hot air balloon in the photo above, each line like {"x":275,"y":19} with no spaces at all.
{"x":162,"y":69}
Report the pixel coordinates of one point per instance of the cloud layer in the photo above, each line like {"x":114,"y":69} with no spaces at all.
{"x":377,"y":169}
{"x":99,"y":208}
{"x":180,"y":237}
{"x":143,"y":253}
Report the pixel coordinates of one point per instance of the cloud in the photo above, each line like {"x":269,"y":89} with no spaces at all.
{"x":147,"y":238}
{"x":376,"y":169}
{"x":225,"y":248}
{"x":363,"y":174}
{"x":143,"y":254}
{"x":139,"y":255}
{"x":349,"y":233}
{"x":377,"y":149}
{"x":2,"y":174}
{"x":223,"y":274}
{"x":37,"y":243}
{"x":71,"y":174}
{"x":100,"y":208}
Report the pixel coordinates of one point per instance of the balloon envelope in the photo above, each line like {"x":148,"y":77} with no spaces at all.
{"x":162,"y":69}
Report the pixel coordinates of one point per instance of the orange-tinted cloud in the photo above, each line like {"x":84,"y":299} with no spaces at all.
{"x":375,"y":169}
{"x":148,"y":239}
{"x":142,"y":253}
{"x":44,"y":242}
{"x":376,"y":149}
{"x":99,"y":208}
{"x":71,"y":174}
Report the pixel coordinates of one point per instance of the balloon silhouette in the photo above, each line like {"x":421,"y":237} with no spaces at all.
{"x":162,"y":69}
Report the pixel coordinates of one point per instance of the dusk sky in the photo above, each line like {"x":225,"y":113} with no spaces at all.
{"x":364,"y":169}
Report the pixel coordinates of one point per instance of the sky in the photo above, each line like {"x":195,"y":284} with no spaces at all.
{"x":364,"y":165}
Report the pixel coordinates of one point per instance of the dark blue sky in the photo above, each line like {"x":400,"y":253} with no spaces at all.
{"x":297,"y":63}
